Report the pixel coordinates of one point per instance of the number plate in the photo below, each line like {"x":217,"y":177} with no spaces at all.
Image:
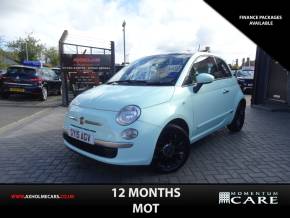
{"x":81,"y":135}
{"x":16,"y":90}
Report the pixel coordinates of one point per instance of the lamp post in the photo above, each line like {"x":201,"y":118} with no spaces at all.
{"x":26,"y":51}
{"x":124,"y":44}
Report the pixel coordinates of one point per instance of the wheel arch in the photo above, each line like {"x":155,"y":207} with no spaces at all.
{"x":179,"y":122}
{"x":242,"y":102}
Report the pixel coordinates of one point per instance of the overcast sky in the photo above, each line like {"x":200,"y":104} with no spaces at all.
{"x":153,"y":26}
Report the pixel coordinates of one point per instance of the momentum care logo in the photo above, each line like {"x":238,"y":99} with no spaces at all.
{"x":248,"y":198}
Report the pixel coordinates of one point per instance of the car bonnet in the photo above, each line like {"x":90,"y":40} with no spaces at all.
{"x":115,"y":97}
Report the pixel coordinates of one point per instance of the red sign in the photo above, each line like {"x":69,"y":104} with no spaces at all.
{"x":71,"y":62}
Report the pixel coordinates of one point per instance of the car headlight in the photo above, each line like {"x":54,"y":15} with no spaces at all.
{"x":128,"y":115}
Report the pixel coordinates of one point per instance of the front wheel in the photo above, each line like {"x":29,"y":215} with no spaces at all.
{"x":239,"y":118}
{"x":172,"y":149}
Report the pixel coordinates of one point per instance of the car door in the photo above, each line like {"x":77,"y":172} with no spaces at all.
{"x":228,"y":87}
{"x":207,"y":103}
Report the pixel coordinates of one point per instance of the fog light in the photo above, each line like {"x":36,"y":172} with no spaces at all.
{"x":129,"y":133}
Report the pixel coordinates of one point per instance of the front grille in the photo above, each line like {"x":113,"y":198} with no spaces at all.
{"x":93,"y":149}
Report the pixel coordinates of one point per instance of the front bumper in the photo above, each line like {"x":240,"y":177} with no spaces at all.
{"x":109,"y":147}
{"x":106,"y":144}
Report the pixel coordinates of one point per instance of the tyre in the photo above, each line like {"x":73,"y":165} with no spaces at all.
{"x":43,"y":95}
{"x":172,"y":149}
{"x":5,"y":95}
{"x":239,"y":118}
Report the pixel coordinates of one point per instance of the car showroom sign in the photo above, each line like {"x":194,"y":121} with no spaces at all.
{"x":75,"y":62}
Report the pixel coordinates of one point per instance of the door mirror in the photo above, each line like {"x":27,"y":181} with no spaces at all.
{"x":204,"y":78}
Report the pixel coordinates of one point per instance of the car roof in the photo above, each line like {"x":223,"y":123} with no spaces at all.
{"x":29,"y":67}
{"x":188,"y":53}
{"x":24,"y":66}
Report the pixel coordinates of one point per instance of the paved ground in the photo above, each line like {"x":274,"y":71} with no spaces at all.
{"x":17,"y":107}
{"x":35,"y":153}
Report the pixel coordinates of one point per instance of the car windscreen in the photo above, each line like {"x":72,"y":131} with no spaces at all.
{"x":21,"y":72}
{"x":153,"y":70}
{"x":246,"y":73}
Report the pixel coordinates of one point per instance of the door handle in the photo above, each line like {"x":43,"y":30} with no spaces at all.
{"x":225,"y":91}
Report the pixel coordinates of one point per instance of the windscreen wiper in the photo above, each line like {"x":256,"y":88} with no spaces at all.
{"x":127,"y":81}
{"x":152,"y":83}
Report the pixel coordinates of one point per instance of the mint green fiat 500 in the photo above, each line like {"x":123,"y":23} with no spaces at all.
{"x":152,"y":110}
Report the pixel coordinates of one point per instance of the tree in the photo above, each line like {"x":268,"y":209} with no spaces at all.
{"x":51,"y":56}
{"x":1,"y":42}
{"x":2,"y":54}
{"x":27,"y":47}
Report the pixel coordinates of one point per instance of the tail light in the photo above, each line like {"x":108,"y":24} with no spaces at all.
{"x":36,"y":80}
{"x":4,"y":78}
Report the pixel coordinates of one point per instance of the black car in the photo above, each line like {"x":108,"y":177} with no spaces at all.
{"x":40,"y":82}
{"x":245,"y":79}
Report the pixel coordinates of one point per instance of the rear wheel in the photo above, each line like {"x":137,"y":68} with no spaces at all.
{"x":43,"y":96}
{"x":239,"y":118}
{"x":172,"y":149}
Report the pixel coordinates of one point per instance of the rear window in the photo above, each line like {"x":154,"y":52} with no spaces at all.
{"x":18,"y":71}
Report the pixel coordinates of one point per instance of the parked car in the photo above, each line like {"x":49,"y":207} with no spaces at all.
{"x":245,"y":79}
{"x":39,"y":82}
{"x":152,"y":110}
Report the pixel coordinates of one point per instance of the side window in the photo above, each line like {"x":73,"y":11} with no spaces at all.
{"x":223,"y":70}
{"x":203,"y":64}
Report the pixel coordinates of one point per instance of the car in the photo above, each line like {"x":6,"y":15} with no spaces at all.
{"x":152,"y":110}
{"x":27,"y":80}
{"x":245,"y":79}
